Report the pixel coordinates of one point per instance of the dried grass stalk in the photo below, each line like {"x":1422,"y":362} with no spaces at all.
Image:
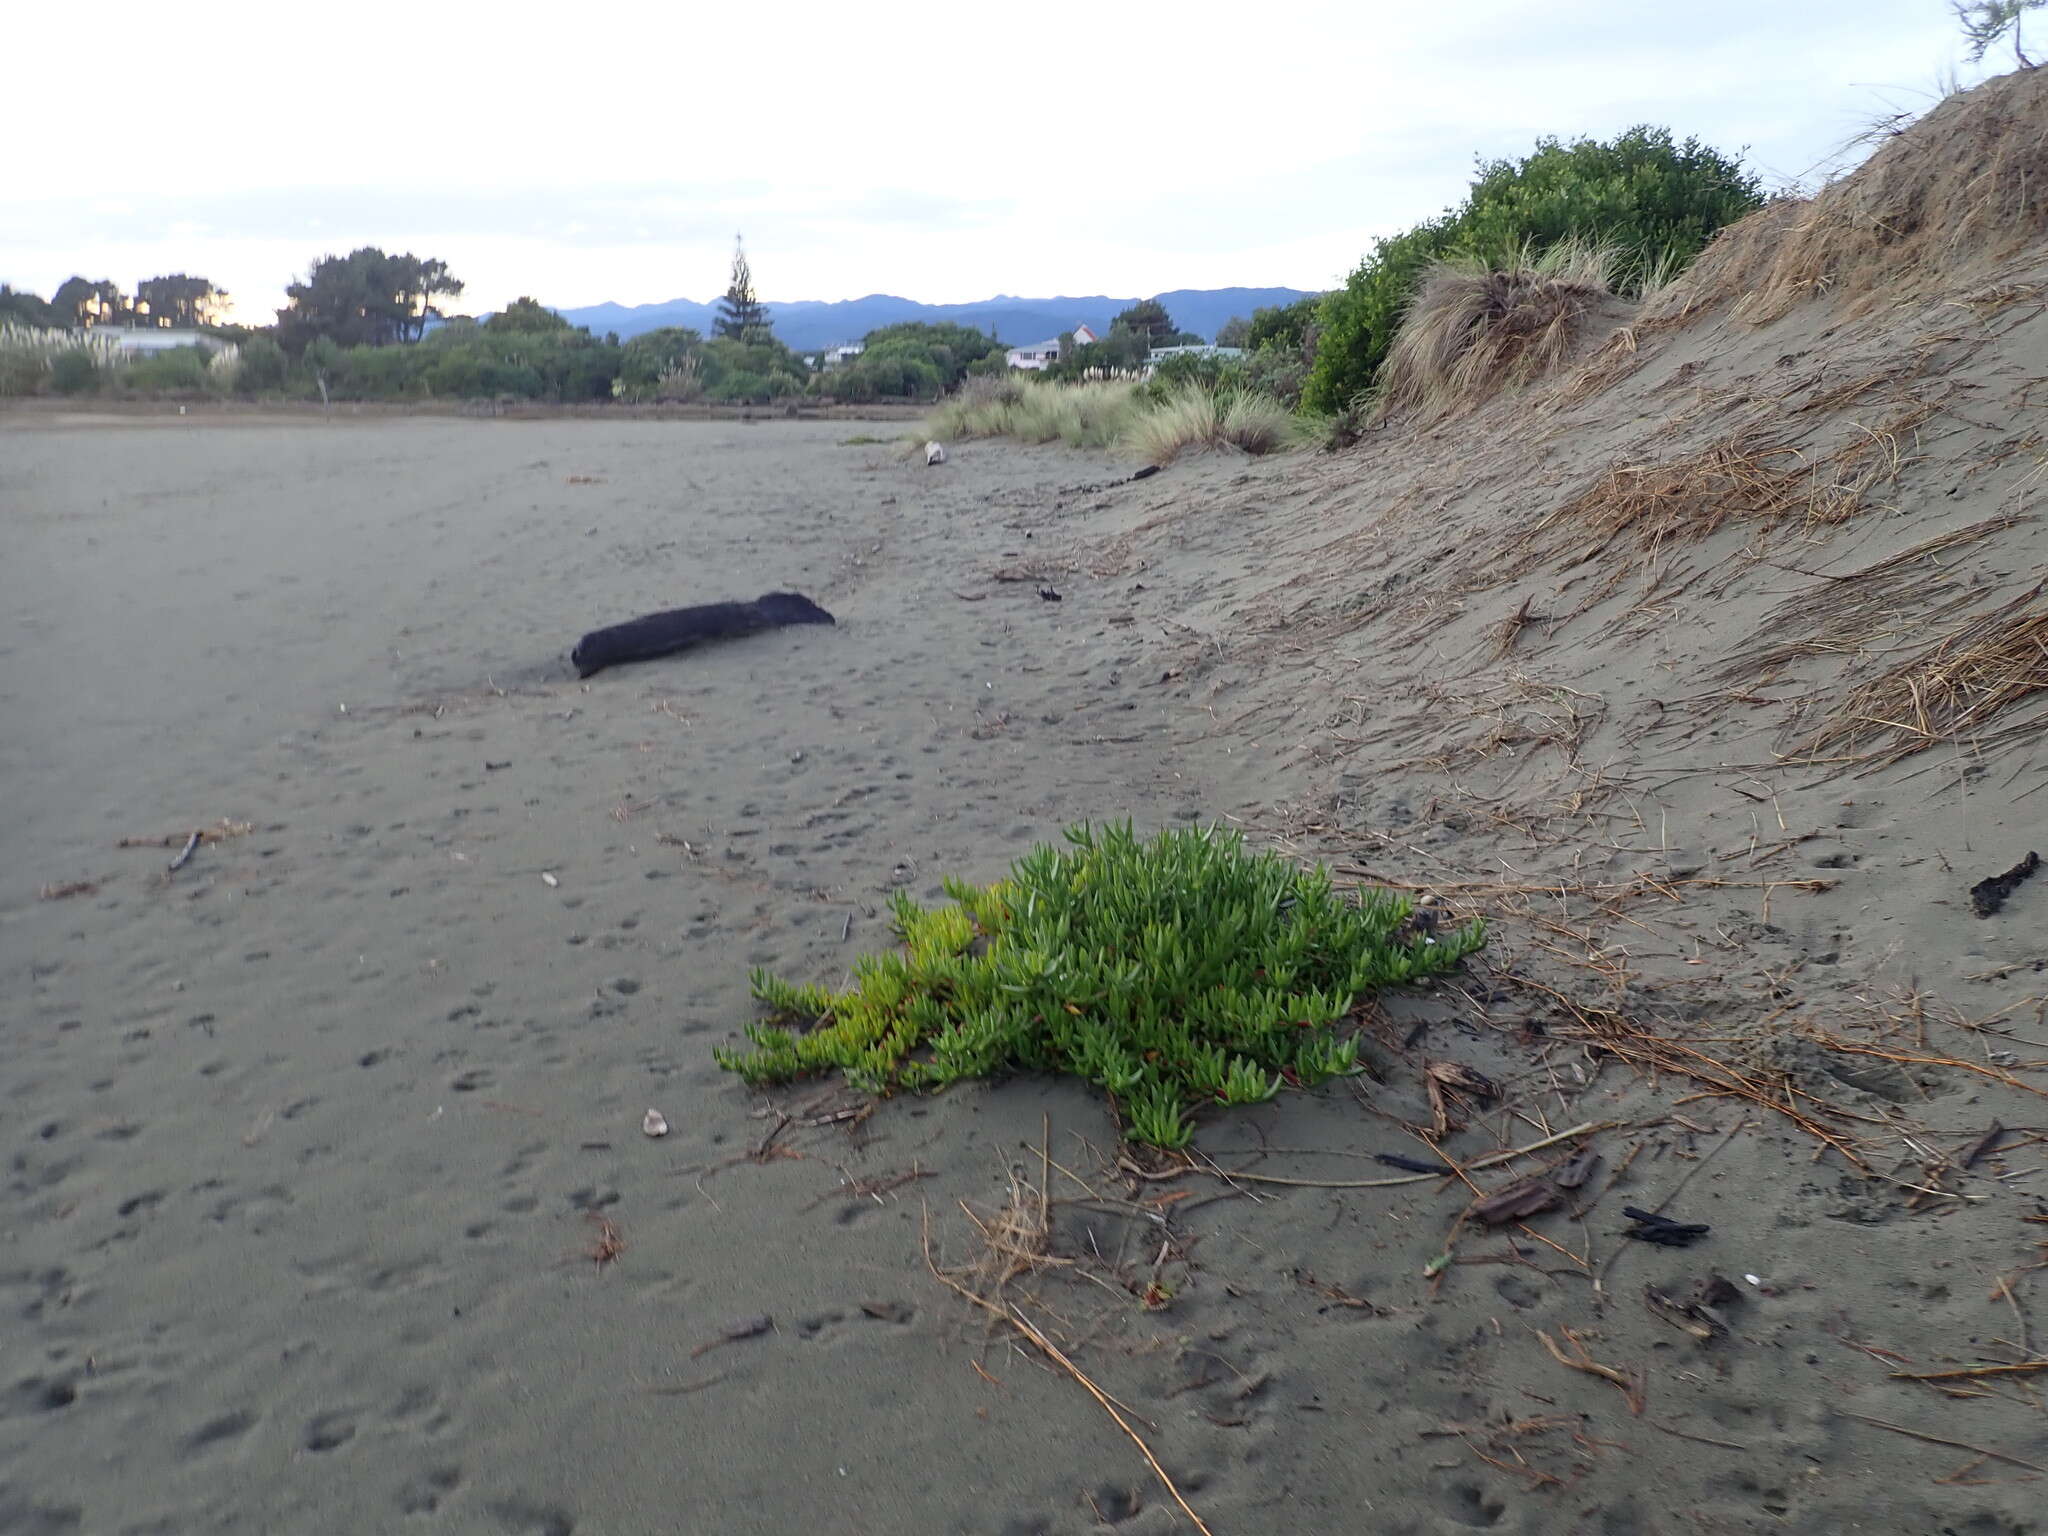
{"x":1948,"y":692}
{"x":1847,"y":614}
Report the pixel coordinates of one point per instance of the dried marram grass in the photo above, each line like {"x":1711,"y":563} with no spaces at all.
{"x":1950,"y":692}
{"x":1964,"y":187}
{"x":1475,"y":329}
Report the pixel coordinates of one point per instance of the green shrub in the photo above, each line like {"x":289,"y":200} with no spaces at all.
{"x":1654,"y":201}
{"x":182,"y":370}
{"x":74,"y":372}
{"x":1176,"y":973}
{"x":665,"y":364}
{"x":22,"y":370}
{"x":1283,"y":325}
{"x":263,"y":366}
{"x":1205,"y":369}
{"x":1279,"y":373}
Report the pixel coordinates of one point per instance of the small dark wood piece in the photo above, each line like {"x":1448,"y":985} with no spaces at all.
{"x":1412,"y":1164}
{"x":1986,"y":1143}
{"x":1987,"y":896}
{"x":1651,"y":1228}
{"x":1518,"y":1201}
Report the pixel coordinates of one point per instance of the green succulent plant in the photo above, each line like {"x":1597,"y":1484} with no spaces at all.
{"x":1175,"y":973}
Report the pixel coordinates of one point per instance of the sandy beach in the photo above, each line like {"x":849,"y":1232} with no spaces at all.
{"x":307,"y":1139}
{"x":328,"y":1206}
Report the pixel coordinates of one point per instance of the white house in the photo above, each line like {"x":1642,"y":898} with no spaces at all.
{"x":147,"y":342}
{"x":1159,"y":355}
{"x":837,"y":357}
{"x":1043,"y":354}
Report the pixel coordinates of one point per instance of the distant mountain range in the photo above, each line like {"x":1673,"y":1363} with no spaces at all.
{"x":807,"y":324}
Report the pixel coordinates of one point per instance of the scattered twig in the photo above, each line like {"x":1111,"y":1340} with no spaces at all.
{"x":1014,"y":1316}
{"x":2022,"y":1368}
{"x":1959,"y":1445}
{"x":739,"y":1328}
{"x":1627,"y":1382}
{"x":607,"y":1243}
{"x":685,"y":1388}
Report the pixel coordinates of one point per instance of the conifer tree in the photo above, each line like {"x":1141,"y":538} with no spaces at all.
{"x":741,"y":315}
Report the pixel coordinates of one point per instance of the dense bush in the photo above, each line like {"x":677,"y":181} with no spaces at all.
{"x":182,"y":370}
{"x":465,"y":362}
{"x":665,"y":364}
{"x":74,"y":372}
{"x":1276,"y":372}
{"x":1284,"y":325}
{"x":263,"y":366}
{"x":1655,"y":201}
{"x":913,"y":360}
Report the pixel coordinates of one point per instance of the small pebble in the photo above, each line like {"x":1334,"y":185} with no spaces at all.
{"x":652,"y":1123}
{"x":549,"y":881}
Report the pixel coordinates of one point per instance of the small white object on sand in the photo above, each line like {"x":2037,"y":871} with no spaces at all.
{"x":652,"y":1123}
{"x":935,"y":453}
{"x":549,"y":880}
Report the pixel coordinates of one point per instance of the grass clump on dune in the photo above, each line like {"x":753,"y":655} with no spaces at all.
{"x":1151,"y":423}
{"x":1194,"y":417}
{"x":1475,"y":328}
{"x":1080,"y":415}
{"x":1173,"y":973}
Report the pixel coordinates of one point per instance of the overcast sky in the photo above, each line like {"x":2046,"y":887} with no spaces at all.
{"x":941,"y":151}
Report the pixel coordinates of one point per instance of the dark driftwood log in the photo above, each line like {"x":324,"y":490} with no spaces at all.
{"x":663,"y":634}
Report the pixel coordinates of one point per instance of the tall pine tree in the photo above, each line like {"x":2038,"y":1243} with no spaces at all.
{"x":741,"y":315}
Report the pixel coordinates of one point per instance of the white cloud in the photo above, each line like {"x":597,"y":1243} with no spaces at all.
{"x":934,"y":150}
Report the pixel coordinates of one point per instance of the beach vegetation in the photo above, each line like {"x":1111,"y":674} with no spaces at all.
{"x":74,"y":371}
{"x":1653,"y":201}
{"x":529,"y":316}
{"x":1177,"y":973}
{"x":1193,"y":415}
{"x":913,"y":360}
{"x":1037,"y":411}
{"x":1475,"y":327}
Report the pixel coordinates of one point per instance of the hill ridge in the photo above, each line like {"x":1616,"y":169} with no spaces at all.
{"x":810,"y":323}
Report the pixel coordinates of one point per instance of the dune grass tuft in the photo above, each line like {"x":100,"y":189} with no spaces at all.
{"x":1474,"y":328}
{"x":1174,"y":973}
{"x":1034,"y":411}
{"x":1192,"y":416}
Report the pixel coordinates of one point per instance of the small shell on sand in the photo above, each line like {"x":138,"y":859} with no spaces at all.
{"x":653,"y":1124}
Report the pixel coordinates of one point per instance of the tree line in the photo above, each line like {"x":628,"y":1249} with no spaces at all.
{"x":371,"y":325}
